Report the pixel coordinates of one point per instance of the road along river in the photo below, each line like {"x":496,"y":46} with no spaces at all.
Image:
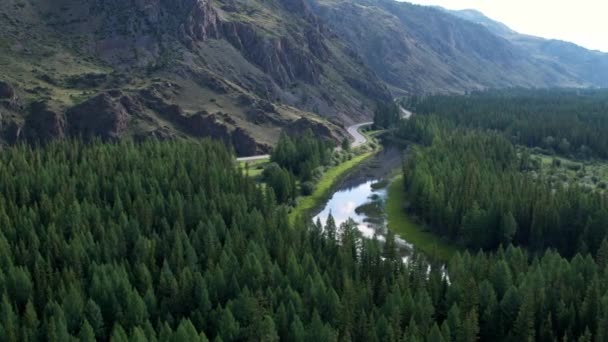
{"x":359,"y":139}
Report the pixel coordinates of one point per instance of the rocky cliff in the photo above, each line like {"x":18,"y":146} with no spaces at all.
{"x":234,"y":70}
{"x":242,"y":70}
{"x":418,"y":49}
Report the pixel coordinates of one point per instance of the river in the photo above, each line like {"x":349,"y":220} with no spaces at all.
{"x":361,"y":196}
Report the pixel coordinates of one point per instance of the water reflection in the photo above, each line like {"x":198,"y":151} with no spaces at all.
{"x":343,"y":203}
{"x":363,"y":202}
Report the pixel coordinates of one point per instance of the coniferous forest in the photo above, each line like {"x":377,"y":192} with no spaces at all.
{"x":170,"y":241}
{"x":472,"y":181}
{"x":572,"y":122}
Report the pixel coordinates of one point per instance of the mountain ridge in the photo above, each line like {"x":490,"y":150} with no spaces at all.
{"x":241,"y":71}
{"x":591,"y":64}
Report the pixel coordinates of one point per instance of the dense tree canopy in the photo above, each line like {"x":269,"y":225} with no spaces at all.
{"x":168,"y":241}
{"x":472,"y":187}
{"x":302,"y":154}
{"x":565,"y":121}
{"x":386,"y":115}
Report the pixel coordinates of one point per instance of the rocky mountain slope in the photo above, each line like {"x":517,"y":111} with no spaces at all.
{"x":243,"y":70}
{"x":419,"y":49}
{"x":591,"y":66}
{"x":235,"y":70}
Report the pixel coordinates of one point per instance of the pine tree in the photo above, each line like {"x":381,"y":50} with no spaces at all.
{"x":523,"y":328}
{"x":119,"y":334}
{"x":228,"y":327}
{"x":8,"y":321}
{"x":508,"y":228}
{"x":296,"y":330}
{"x":470,"y":328}
{"x":93,"y":316}
{"x":435,"y":335}
{"x":268,"y":330}
{"x":30,"y":323}
{"x":602,"y":255}
{"x":86,"y":333}
{"x":73,"y":306}
{"x":138,"y":335}
{"x":330,"y":229}
{"x":185,"y":332}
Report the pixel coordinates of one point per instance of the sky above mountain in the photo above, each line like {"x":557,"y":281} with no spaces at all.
{"x":582,"y":22}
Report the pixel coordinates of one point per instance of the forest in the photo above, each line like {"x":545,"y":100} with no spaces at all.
{"x":472,"y":180}
{"x":386,"y":115}
{"x":473,"y":188}
{"x":170,"y":241}
{"x":475,"y":177}
{"x":296,"y":159}
{"x":564,"y":121}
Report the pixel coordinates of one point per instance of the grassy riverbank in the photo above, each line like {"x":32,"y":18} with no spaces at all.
{"x":254,"y":167}
{"x":401,"y":224}
{"x":325,"y":185}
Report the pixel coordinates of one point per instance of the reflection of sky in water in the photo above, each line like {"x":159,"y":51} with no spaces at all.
{"x":342,"y":206}
{"x":343,"y":203}
{"x":358,"y":191}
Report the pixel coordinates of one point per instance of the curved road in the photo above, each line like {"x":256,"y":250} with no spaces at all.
{"x":360,"y":139}
{"x":406,"y":114}
{"x":353,"y":130}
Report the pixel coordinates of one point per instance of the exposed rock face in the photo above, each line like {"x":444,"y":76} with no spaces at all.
{"x":201,"y":125}
{"x":101,"y":116}
{"x":317,"y":128}
{"x":299,"y":6}
{"x":43,"y":124}
{"x":370,"y":89}
{"x":12,"y":133}
{"x":278,"y":57}
{"x":264,"y":112}
{"x":332,"y":58}
{"x":89,"y":80}
{"x":225,"y":57}
{"x":201,"y":23}
{"x":245,"y":145}
{"x":150,"y":99}
{"x":316,"y":44}
{"x":6,"y":91}
{"x":161,"y":133}
{"x":219,"y":126}
{"x":210,"y":81}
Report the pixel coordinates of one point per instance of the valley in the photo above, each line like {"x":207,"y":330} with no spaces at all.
{"x":297,"y":170}
{"x":243,"y":71}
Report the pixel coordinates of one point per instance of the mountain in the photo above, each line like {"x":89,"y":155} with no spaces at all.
{"x":420,"y":49}
{"x":479,"y":18}
{"x":243,"y":70}
{"x":234,"y":70}
{"x":588,"y":65}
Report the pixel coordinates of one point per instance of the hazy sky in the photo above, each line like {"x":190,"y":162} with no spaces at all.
{"x":584,"y":22}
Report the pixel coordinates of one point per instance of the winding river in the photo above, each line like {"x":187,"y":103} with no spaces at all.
{"x":361,"y":196}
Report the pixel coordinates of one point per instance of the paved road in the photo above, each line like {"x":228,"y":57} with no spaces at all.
{"x":406,"y":113}
{"x":353,"y":130}
{"x":360,"y":139}
{"x":253,"y":158}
